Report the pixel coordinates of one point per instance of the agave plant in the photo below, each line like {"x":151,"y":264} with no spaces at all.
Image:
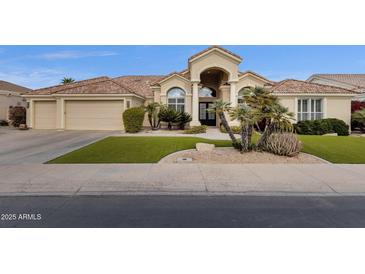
{"x":220,"y":107}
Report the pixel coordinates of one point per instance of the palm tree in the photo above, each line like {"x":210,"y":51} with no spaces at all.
{"x":220,"y":107}
{"x":278,"y":119}
{"x":247,"y":118}
{"x":67,"y":80}
{"x":152,"y":110}
{"x":261,"y":100}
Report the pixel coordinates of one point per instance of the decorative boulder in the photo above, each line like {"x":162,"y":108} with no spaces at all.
{"x":330,"y":134}
{"x":204,"y":147}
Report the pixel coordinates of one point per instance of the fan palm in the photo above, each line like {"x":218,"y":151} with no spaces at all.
{"x":220,"y":107}
{"x":247,"y":118}
{"x":279,"y":119}
{"x":152,"y":110}
{"x":67,"y":80}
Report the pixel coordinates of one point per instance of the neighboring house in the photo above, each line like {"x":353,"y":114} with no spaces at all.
{"x":354,"y":82}
{"x":98,"y":104}
{"x":10,"y":95}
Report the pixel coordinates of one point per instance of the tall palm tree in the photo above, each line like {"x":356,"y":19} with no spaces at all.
{"x":67,"y":80}
{"x":220,"y":107}
{"x":279,"y":119}
{"x":247,"y":118}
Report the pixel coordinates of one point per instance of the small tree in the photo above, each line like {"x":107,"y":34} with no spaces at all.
{"x":152,"y":110}
{"x":247,"y":118}
{"x":358,"y":118}
{"x":17,"y":115}
{"x":220,"y":107}
{"x":67,"y":80}
{"x":168,"y":115}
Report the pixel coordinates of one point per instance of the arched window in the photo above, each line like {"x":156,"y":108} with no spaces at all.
{"x":241,"y":95}
{"x":207,"y":92}
{"x":176,"y":99}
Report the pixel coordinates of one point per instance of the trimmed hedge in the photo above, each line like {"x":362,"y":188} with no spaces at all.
{"x":322,"y":126}
{"x":196,"y":130}
{"x":133,"y":119}
{"x":235,"y":129}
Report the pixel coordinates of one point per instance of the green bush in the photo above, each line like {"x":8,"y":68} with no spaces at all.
{"x":182,"y":119}
{"x":168,"y":115}
{"x":133,"y":119}
{"x":235,"y":129}
{"x":196,"y":130}
{"x":322,"y":126}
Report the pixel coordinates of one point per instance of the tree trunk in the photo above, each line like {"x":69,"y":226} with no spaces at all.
{"x":249,"y":137}
{"x":268,"y":131}
{"x":229,"y":131}
{"x":244,"y":138}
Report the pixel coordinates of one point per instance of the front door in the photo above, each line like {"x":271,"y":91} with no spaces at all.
{"x":205,"y":117}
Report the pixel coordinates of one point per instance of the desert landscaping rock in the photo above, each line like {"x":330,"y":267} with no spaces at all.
{"x":204,"y":147}
{"x":232,"y":156}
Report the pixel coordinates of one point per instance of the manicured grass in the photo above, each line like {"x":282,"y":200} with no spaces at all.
{"x":132,"y":149}
{"x":349,"y":150}
{"x":341,"y":149}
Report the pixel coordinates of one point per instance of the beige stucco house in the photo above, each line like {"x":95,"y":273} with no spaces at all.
{"x":11,"y":95}
{"x":98,"y":104}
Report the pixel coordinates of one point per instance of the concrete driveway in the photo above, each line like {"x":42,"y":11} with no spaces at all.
{"x":39,"y":146}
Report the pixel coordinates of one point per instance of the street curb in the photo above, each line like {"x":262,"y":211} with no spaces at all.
{"x":181,"y":193}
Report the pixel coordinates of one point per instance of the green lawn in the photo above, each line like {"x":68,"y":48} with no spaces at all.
{"x":132,"y":149}
{"x":340,"y":150}
{"x":349,"y":150}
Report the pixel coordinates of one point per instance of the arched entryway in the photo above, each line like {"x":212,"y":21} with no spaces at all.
{"x":211,"y":88}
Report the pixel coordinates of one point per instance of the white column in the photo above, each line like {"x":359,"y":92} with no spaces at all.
{"x":233,"y":95}
{"x":195,"y":105}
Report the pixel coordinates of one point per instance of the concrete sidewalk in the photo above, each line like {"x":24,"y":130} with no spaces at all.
{"x":210,"y":179}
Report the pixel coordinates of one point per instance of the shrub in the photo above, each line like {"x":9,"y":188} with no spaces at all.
{"x":358,"y":119}
{"x":133,"y":119}
{"x":235,"y":129}
{"x":168,"y":115}
{"x":322,"y":126}
{"x":182,"y":119}
{"x":284,"y":144}
{"x":17,"y":115}
{"x":196,"y":130}
{"x":3,"y":123}
{"x":339,"y":126}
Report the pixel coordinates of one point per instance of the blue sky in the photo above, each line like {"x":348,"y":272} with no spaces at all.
{"x":40,"y":66}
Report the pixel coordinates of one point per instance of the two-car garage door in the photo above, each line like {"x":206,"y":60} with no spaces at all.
{"x":93,"y":115}
{"x":81,"y":115}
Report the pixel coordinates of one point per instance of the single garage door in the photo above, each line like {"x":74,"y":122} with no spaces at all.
{"x":94,"y":115}
{"x":45,"y":114}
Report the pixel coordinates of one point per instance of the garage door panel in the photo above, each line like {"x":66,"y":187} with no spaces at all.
{"x":94,"y":115}
{"x":45,"y":115}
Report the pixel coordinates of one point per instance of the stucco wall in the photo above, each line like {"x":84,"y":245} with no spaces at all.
{"x":340,"y":108}
{"x":7,"y":101}
{"x":288,"y":102}
{"x":249,"y":81}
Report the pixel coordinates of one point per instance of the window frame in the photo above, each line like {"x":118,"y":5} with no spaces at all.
{"x":311,"y":110}
{"x":176,"y":103}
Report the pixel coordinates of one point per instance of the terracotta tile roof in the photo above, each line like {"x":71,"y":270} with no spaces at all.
{"x":100,"y":85}
{"x":7,"y":86}
{"x":357,"y":80}
{"x":139,"y":84}
{"x":291,"y":86}
{"x":215,"y":47}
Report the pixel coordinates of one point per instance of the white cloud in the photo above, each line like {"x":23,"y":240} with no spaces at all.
{"x":74,"y":54}
{"x":39,"y":77}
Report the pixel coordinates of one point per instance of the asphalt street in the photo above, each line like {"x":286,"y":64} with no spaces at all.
{"x":183,"y":211}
